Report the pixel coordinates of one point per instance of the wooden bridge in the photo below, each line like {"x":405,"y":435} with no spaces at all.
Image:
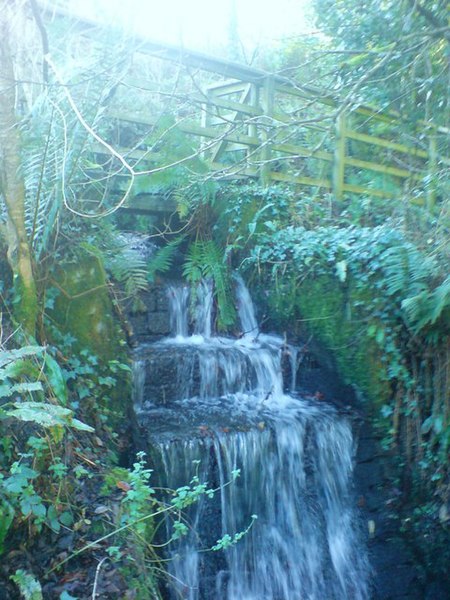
{"x":227,"y":121}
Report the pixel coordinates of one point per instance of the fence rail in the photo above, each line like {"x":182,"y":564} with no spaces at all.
{"x":247,"y":123}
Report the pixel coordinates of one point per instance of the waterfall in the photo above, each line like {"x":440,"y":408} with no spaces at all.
{"x":178,"y":303}
{"x":223,"y":409}
{"x":246,"y":310}
{"x":203,"y":312}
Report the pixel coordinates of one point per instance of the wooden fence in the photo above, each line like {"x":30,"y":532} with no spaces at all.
{"x":247,"y":123}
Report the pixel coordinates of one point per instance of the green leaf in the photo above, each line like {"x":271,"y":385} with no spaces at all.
{"x":6,"y":519}
{"x":29,"y":587}
{"x":427,"y":425}
{"x":8,"y":356}
{"x":37,"y":508}
{"x":66,"y":518}
{"x":386,"y":410}
{"x":380,"y":335}
{"x":76,"y":424}
{"x":52,"y":519}
{"x":438,"y":424}
{"x":162,"y":261}
{"x":270,"y":225}
{"x":7,"y":390}
{"x":66,"y":596}
{"x":46,"y":415}
{"x":55,"y":379}
{"x":108,"y":381}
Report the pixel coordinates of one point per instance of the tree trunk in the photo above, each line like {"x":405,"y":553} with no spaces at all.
{"x":12,"y":187}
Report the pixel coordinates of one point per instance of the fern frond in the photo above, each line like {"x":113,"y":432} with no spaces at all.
{"x":193,"y":268}
{"x":205,"y":260}
{"x":196,"y":193}
{"x":163,"y":259}
{"x":124,"y":263}
{"x":426,"y":308}
{"x":129,"y":268}
{"x":405,"y":270}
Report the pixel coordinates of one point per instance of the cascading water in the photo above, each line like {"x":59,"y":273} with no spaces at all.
{"x":222,"y":408}
{"x":178,"y":302}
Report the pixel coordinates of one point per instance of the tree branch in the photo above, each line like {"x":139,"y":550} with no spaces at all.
{"x":44,"y":38}
{"x":430,"y":17}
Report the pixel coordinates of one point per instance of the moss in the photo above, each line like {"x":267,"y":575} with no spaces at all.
{"x":334,"y":314}
{"x":25,"y":304}
{"x":83,"y":308}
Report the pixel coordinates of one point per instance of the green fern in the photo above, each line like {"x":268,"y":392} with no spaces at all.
{"x":193,"y":269}
{"x":405,"y":270}
{"x":162,"y":261}
{"x":205,"y":260}
{"x":56,"y":155}
{"x":43,"y":149}
{"x":426,"y":308}
{"x":195,"y":193}
{"x":124,"y":263}
{"x":129,"y":268}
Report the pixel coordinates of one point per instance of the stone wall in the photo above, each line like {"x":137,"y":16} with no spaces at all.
{"x":149,"y":317}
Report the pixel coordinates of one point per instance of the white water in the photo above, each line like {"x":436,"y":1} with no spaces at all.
{"x":296,"y":461}
{"x":246,"y":309}
{"x":178,"y":302}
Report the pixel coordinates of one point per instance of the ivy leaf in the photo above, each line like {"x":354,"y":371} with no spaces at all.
{"x":52,"y":519}
{"x":426,"y":426}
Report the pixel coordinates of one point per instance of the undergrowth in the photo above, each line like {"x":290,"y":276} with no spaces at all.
{"x":61,"y":485}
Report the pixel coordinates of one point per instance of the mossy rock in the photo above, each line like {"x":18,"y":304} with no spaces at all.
{"x":334,"y":314}
{"x":84,"y":309}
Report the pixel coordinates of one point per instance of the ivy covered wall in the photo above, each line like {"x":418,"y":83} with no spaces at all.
{"x":381,"y":307}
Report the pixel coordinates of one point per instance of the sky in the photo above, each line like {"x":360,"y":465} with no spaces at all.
{"x":204,"y":24}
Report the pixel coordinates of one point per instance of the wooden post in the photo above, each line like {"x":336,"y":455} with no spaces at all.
{"x":338,"y":176}
{"x":254,"y":101}
{"x":432,"y":171}
{"x":267,"y":102}
{"x":206,"y":117}
{"x":232,"y":120}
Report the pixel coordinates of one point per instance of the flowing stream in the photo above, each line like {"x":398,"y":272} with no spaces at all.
{"x":214,"y":406}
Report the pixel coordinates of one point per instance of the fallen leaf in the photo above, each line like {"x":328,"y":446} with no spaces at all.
{"x":100,"y":510}
{"x":123,"y":485}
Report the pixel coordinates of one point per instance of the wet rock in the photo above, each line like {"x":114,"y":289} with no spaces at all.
{"x":158,"y":323}
{"x":437,"y":591}
{"x":6,"y":593}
